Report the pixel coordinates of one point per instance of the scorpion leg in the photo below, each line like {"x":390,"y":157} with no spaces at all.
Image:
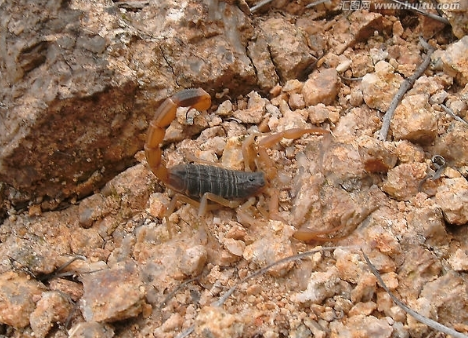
{"x":203,"y":205}
{"x":171,"y":207}
{"x":243,"y":215}
{"x":208,"y":196}
{"x":307,"y":235}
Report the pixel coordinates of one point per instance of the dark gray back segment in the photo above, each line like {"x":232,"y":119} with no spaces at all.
{"x":229,"y":184}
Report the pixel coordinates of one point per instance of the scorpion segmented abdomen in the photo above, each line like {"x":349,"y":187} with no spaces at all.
{"x":195,"y":180}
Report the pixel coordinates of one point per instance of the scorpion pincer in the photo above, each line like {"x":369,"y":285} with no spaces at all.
{"x":206,"y":183}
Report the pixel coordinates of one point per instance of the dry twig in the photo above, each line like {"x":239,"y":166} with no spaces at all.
{"x":419,"y":11}
{"x":316,"y":3}
{"x":264,"y":270}
{"x":440,"y":164}
{"x":132,"y":5}
{"x":259,"y":272}
{"x":57,"y":274}
{"x":259,"y":5}
{"x":455,"y":116}
{"x":405,"y":86}
{"x":177,"y":289}
{"x":427,"y":321}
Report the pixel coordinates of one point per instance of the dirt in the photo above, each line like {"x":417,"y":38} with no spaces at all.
{"x":112,"y":264}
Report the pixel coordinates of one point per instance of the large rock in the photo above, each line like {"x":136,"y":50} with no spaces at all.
{"x":454,"y":61}
{"x":288,"y":47}
{"x":17,"y":294}
{"x":414,"y":120}
{"x":453,"y":145}
{"x":380,"y":87}
{"x":79,"y":84}
{"x":113,"y":294}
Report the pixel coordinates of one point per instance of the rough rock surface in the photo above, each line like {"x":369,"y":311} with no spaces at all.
{"x":53,"y":307}
{"x":287,"y":45}
{"x":321,"y":87}
{"x":18,"y":293}
{"x":457,"y":16}
{"x":93,"y":329}
{"x":80,"y":80}
{"x":453,"y":145}
{"x":113,"y":294}
{"x":454,"y":61}
{"x":415,"y":108}
{"x":384,"y":80}
{"x":452,"y":196}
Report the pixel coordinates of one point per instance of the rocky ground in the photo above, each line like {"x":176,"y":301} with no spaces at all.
{"x":87,"y":251}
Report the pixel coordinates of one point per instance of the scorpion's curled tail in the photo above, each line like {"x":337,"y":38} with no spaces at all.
{"x":165,"y":114}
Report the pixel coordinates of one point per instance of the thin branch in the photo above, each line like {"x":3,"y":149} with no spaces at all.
{"x":427,"y":321}
{"x":455,"y":116}
{"x":417,"y":10}
{"x":132,"y":5}
{"x":405,"y":86}
{"x":316,"y":3}
{"x":350,"y":78}
{"x":439,"y":164}
{"x":259,"y":5}
{"x":259,"y":272}
{"x":266,"y":2}
{"x":436,"y":5}
{"x":57,"y":274}
{"x":177,"y":289}
{"x":186,"y":332}
{"x":264,"y":270}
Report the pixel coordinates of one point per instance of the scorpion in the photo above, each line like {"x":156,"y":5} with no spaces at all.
{"x":198,"y":184}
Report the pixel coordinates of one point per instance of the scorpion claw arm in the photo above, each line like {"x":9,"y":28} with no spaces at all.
{"x":269,"y":141}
